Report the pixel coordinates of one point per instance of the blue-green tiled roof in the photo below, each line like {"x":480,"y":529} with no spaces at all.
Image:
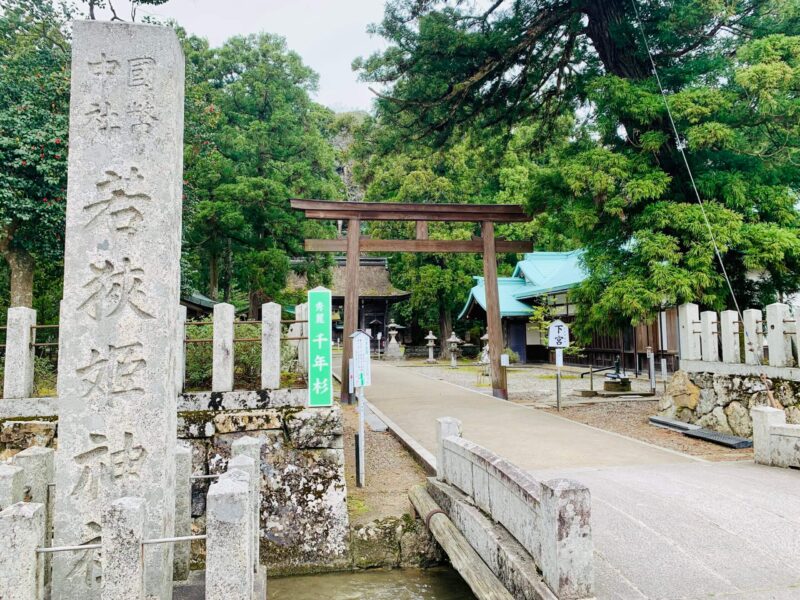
{"x":538,"y":274}
{"x":509,"y":305}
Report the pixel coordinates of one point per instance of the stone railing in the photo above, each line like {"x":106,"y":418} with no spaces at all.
{"x":551,"y":519}
{"x":711,"y":337}
{"x":774,"y":442}
{"x":233,"y":569}
{"x":21,"y":344}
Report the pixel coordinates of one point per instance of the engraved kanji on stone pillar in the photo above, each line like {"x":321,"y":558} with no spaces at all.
{"x":119,"y":350}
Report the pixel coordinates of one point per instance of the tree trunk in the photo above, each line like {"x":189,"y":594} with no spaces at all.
{"x":21,"y":264}
{"x":610,"y":27}
{"x":213,"y":277}
{"x":445,"y":329}
{"x":227,"y":280}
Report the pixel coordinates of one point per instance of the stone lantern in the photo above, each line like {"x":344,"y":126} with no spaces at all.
{"x":453,"y":343}
{"x":431,"y":344}
{"x":485,"y":350}
{"x":393,"y":351}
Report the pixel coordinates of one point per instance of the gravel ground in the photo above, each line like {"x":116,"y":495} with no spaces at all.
{"x":536,"y":386}
{"x":390,"y":473}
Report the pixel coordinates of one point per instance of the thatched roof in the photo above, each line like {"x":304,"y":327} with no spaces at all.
{"x":373,"y":281}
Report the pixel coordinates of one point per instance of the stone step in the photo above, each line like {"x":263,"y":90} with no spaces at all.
{"x":723,"y":439}
{"x":673,"y":424}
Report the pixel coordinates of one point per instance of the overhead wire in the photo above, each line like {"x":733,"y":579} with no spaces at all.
{"x":681,"y":148}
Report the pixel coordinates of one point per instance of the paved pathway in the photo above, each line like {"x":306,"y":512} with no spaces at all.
{"x":665,"y":525}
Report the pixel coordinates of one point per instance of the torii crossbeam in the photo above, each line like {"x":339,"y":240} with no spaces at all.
{"x":356,"y":212}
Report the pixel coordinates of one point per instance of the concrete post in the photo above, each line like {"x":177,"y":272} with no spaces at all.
{"x":708,"y":336}
{"x":248,"y":465}
{"x":567,"y":548}
{"x":228,"y":564}
{"x":250,"y":447}
{"x":18,"y":376}
{"x":445,"y":427}
{"x":729,"y":336}
{"x":764,"y":418}
{"x":222,"y":374}
{"x":22,"y":571}
{"x":38,"y":474}
{"x":271,"y":346}
{"x":183,"y":512}
{"x":780,"y":347}
{"x":753,"y":336}
{"x":12,"y":486}
{"x":180,"y":349}
{"x":689,"y":317}
{"x":123,"y":567}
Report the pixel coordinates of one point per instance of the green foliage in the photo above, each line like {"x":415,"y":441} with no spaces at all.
{"x":253,"y":139}
{"x":34,"y":96}
{"x":588,"y":146}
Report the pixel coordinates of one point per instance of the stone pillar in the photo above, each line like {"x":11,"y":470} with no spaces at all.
{"x":250,"y":447}
{"x":12,"y":486}
{"x":709,"y":345}
{"x":271,"y":346}
{"x":38,"y":474}
{"x":116,"y":372}
{"x":229,"y":569}
{"x":729,"y":336}
{"x":21,"y":532}
{"x":183,"y":512}
{"x":764,"y":418}
{"x":222,"y":374}
{"x":567,"y":548}
{"x":123,"y":567}
{"x":18,"y":375}
{"x":180,"y":345}
{"x":445,"y":427}
{"x":753,"y":336}
{"x":248,"y":465}
{"x":689,"y":319}
{"x":778,"y":342}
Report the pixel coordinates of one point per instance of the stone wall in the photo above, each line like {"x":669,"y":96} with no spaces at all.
{"x":722,"y":401}
{"x":304,"y":520}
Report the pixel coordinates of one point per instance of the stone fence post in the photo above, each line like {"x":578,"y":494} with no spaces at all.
{"x":123,"y":533}
{"x":18,"y":376}
{"x":22,"y":531}
{"x":38,"y":473}
{"x":180,"y":349}
{"x":12,"y":486}
{"x":753,"y":336}
{"x":222,"y":374}
{"x":271,"y":346}
{"x":764,"y":418}
{"x":567,"y":548}
{"x":229,"y":570}
{"x":183,"y":512}
{"x":709,"y":334}
{"x":778,"y":340}
{"x":445,"y":427}
{"x":729,"y":336}
{"x":248,"y":465}
{"x":689,"y":317}
{"x":250,"y":447}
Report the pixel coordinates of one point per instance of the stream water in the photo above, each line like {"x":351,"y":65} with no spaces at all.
{"x":441,"y":583}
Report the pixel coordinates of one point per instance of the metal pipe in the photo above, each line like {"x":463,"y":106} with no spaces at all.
{"x":170,"y":540}
{"x":203,"y":476}
{"x":198,"y":323}
{"x":68,"y":548}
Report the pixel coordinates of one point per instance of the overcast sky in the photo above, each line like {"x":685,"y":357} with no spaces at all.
{"x":328,"y":34}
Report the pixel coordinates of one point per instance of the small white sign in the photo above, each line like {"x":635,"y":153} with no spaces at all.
{"x":559,"y":357}
{"x":361,"y":359}
{"x":558,"y":335}
{"x":504,"y":360}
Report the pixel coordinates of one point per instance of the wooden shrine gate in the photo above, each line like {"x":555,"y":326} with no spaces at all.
{"x":356,"y":212}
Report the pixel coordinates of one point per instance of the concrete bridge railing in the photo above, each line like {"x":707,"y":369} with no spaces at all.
{"x":550,"y":519}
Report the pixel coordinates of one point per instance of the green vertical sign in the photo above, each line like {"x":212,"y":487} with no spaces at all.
{"x":320,"y":359}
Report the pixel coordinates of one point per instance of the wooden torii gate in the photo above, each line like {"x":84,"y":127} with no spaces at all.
{"x":356,"y":212}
